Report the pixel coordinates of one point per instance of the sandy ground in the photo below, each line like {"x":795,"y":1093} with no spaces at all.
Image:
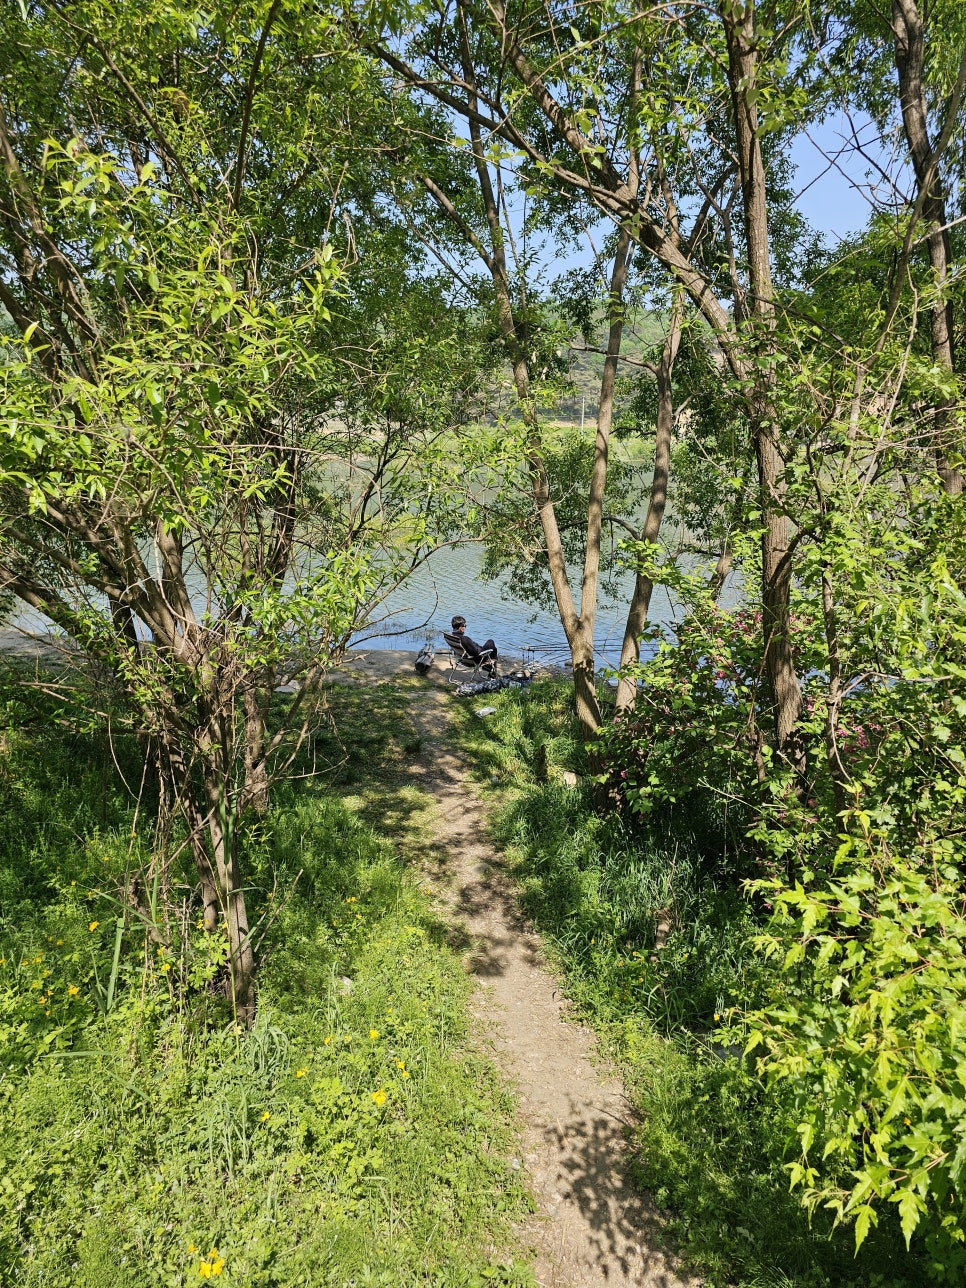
{"x":359,"y":664}
{"x":389,"y":663}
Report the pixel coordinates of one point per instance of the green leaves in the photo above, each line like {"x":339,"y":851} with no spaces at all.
{"x":871,"y":1033}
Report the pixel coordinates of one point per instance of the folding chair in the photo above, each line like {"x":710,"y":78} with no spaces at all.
{"x":461,"y":661}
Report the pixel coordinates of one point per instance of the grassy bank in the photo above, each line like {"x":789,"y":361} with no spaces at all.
{"x":651,"y":930}
{"x":352,"y":1137}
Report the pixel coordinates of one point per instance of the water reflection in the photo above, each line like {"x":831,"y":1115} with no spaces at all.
{"x":450,"y":583}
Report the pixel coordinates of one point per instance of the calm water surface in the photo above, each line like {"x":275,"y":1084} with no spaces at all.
{"x":450,"y":583}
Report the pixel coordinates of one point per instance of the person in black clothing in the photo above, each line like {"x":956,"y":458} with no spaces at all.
{"x":487,"y":651}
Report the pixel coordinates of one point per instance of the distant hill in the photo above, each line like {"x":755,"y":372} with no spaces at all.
{"x":642,"y":332}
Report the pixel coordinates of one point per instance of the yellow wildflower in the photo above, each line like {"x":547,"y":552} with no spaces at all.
{"x":400,"y":1064}
{"x":300,"y":1073}
{"x":192,"y":1249}
{"x":165,"y":966}
{"x":327,"y":1040}
{"x":373,"y":1034}
{"x":93,"y":926}
{"x":265,"y":1116}
{"x":211,"y":1267}
{"x":60,"y":943}
{"x":379,"y":1096}
{"x":42,"y":1001}
{"x":72,"y":990}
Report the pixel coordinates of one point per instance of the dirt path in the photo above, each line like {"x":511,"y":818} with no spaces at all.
{"x":591,"y":1227}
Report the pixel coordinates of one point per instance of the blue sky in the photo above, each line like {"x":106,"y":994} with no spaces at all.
{"x":837,"y":186}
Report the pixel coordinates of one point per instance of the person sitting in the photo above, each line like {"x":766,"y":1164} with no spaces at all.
{"x":482,"y":655}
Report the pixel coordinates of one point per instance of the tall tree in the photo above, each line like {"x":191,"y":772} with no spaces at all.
{"x":207,"y":473}
{"x":553,"y":86}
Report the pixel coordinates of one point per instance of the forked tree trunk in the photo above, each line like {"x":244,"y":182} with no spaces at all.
{"x":578,"y":627}
{"x":581,"y":637}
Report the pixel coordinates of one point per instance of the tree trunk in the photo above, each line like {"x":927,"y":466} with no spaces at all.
{"x":256,"y":767}
{"x":721,"y":570}
{"x":223,"y":839}
{"x":177,"y":784}
{"x":786,"y":695}
{"x":578,"y":628}
{"x":909,"y":45}
{"x":203,"y":794}
{"x":837,"y":770}
{"x":643,"y":586}
{"x":582,"y":646}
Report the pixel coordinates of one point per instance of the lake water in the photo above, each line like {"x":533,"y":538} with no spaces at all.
{"x":450,"y":583}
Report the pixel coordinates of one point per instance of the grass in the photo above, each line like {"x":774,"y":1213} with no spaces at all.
{"x":652,"y":933}
{"x":353,"y":1136}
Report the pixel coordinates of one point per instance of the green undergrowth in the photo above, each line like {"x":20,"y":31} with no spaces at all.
{"x":353,"y":1136}
{"x":651,"y":929}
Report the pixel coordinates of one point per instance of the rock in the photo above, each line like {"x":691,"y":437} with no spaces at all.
{"x":569,"y":778}
{"x":344,"y":985}
{"x":485,"y":711}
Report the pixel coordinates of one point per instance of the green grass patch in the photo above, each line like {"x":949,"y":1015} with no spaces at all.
{"x":353,"y":1136}
{"x":652,"y":931}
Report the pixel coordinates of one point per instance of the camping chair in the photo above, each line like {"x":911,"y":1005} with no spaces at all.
{"x":461,"y":661}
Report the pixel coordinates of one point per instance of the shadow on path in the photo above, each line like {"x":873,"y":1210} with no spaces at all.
{"x":592,"y":1226}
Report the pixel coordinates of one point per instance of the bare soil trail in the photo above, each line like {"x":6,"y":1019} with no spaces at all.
{"x":592,"y":1227}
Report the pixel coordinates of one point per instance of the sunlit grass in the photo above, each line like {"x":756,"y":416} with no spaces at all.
{"x":354,"y":1136}
{"x":651,"y":929}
